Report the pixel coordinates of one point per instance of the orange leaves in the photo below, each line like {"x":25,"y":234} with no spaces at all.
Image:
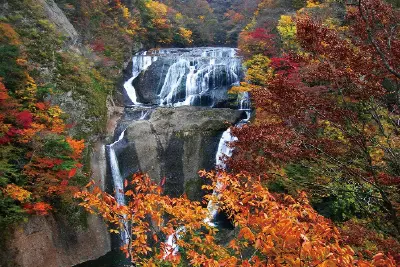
{"x":23,"y":128}
{"x":77,"y":147}
{"x":3,"y":92}
{"x":41,"y":106}
{"x":381,"y":260}
{"x":35,"y":130}
{"x":246,"y":233}
{"x":39,"y":208}
{"x":278,"y":231}
{"x":72,"y":173}
{"x":146,"y":201}
{"x":17,"y":193}
{"x":8,"y":34}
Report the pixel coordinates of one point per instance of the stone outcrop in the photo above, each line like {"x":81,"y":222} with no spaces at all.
{"x":49,"y":241}
{"x":175,"y":143}
{"x":57,"y":16}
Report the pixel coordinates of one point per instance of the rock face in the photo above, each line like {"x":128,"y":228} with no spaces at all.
{"x":47,"y":241}
{"x":175,"y":143}
{"x":57,"y":16}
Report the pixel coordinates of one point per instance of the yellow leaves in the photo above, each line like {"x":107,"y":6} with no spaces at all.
{"x":178,"y":16}
{"x":311,"y":4}
{"x":17,"y":193}
{"x":333,"y":132}
{"x":160,"y":23}
{"x":287,"y":30}
{"x":125,"y":12}
{"x":285,"y":20}
{"x":258,"y":70}
{"x":28,"y":93}
{"x":157,"y":8}
{"x":377,"y":155}
{"x":55,"y":112}
{"x":186,"y":35}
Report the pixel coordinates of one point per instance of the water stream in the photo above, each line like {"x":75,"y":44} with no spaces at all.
{"x":191,"y":77}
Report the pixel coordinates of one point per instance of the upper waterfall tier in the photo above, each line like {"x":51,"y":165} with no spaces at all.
{"x":183,"y":76}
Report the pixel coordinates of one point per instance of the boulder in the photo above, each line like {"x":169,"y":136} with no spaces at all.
{"x":51,"y":241}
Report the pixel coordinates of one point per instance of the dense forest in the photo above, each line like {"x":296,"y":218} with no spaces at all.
{"x":314,"y":179}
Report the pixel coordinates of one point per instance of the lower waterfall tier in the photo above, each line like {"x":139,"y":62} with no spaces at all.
{"x":174,"y":143}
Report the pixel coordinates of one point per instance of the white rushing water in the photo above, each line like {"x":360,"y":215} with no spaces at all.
{"x":225,"y":150}
{"x":187,"y":74}
{"x":140,"y":62}
{"x":118,"y":180}
{"x":118,"y":183}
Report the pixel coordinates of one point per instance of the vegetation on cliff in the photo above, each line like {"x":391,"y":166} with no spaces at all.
{"x":39,"y":161}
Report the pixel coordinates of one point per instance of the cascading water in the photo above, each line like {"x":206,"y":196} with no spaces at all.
{"x":118,"y":181}
{"x":196,"y":76}
{"x":140,"y":62}
{"x":176,"y":77}
{"x":225,"y":151}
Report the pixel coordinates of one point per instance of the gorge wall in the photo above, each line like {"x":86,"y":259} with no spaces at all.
{"x":52,"y":240}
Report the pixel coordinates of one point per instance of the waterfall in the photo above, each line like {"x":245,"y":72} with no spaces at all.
{"x":182,"y":77}
{"x":174,"y":78}
{"x":116,"y":174}
{"x":118,"y":182}
{"x":244,"y":101}
{"x":188,"y":76}
{"x":140,"y":62}
{"x":171,"y":245}
{"x":225,"y":151}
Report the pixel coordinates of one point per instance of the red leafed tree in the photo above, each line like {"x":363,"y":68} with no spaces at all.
{"x":333,"y":111}
{"x":258,"y":41}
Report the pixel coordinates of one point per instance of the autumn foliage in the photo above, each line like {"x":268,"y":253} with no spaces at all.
{"x":258,"y":41}
{"x":327,"y":118}
{"x":39,"y":159}
{"x":272,"y":230}
{"x":323,"y":143}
